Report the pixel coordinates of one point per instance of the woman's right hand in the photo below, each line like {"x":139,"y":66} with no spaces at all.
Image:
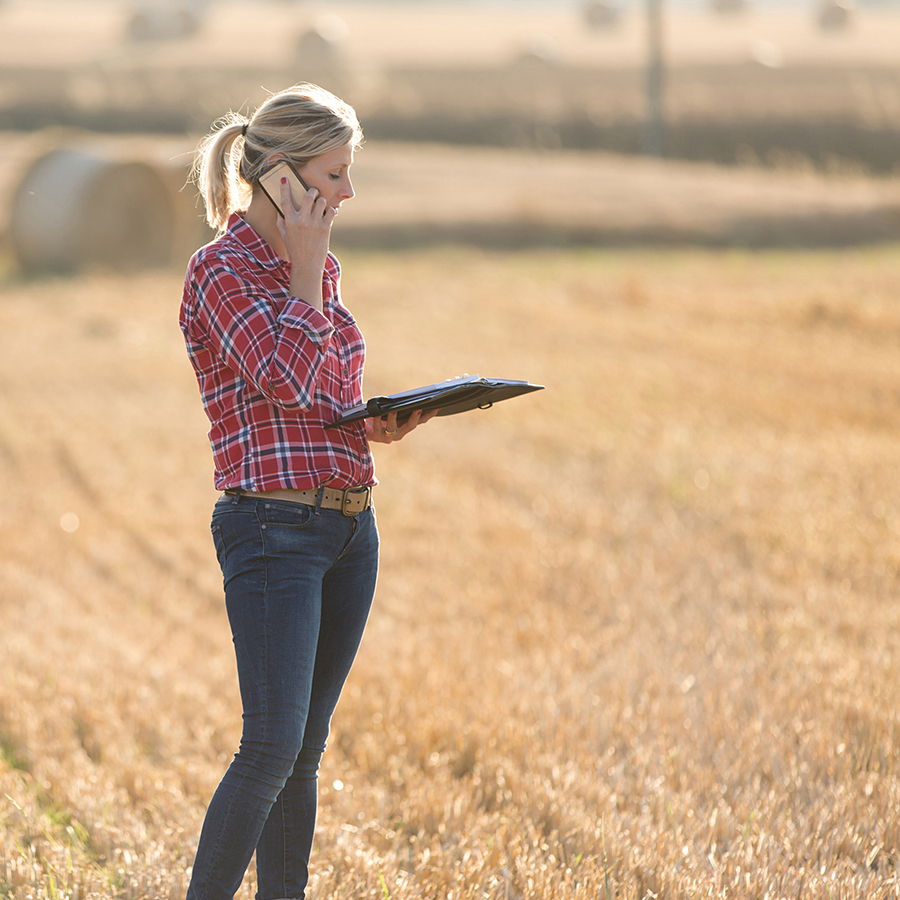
{"x":306,"y":232}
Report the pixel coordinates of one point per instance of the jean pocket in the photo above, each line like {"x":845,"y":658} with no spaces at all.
{"x":282,"y":514}
{"x":215,"y":530}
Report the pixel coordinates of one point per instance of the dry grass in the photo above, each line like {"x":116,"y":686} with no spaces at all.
{"x":635,"y":635}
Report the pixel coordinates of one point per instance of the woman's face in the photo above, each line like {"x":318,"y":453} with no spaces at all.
{"x":329,"y":174}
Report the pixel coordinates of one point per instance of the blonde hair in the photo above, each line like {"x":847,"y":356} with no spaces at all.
{"x":299,"y":123}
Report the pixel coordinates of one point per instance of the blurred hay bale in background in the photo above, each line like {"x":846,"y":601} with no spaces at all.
{"x":322,"y":45}
{"x":602,"y":14}
{"x":165,"y":21}
{"x":539,"y":50}
{"x":320,"y":53}
{"x":729,"y":7}
{"x":86,"y":203}
{"x":75,"y":209}
{"x":835,"y":15}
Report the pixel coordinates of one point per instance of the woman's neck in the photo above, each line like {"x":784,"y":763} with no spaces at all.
{"x":262,"y":217}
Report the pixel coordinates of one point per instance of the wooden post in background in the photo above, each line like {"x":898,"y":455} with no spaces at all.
{"x":652,"y":138}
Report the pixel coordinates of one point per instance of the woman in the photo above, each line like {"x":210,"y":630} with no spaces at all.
{"x":278,"y":358}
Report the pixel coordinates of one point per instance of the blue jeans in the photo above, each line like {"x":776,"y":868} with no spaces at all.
{"x":299,"y":584}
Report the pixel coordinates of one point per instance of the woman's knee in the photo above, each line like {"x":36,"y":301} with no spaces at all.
{"x":273,"y":753}
{"x":307,"y":764}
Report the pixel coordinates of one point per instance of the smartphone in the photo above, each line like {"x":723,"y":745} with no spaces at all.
{"x":270,"y":182}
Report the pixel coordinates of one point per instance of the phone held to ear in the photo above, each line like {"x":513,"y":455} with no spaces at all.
{"x":270,"y":182}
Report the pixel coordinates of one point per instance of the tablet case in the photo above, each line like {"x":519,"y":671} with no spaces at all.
{"x":453,"y":396}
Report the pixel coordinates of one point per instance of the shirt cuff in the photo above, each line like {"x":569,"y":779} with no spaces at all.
{"x":300,"y":315}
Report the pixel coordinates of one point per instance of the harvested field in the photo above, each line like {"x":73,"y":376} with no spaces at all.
{"x":636,"y":635}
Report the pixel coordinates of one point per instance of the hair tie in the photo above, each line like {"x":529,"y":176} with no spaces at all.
{"x":244,"y":129}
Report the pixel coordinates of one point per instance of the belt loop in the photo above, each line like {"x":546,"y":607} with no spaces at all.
{"x":237,"y":496}
{"x":319,"y":495}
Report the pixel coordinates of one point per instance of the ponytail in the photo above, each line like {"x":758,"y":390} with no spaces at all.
{"x":216,"y":171}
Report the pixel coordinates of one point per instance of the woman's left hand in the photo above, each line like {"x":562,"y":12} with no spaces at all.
{"x":387,"y":431}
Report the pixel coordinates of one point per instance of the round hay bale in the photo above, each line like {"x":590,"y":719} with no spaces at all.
{"x":729,"y":7}
{"x":541,"y":50}
{"x":601,"y":14}
{"x":835,"y":15}
{"x":75,"y":209}
{"x":321,"y":46}
{"x":163,"y":23}
{"x":767,"y":54}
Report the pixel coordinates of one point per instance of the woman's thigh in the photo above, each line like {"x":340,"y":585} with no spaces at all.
{"x":347,"y":592}
{"x":298,"y":589}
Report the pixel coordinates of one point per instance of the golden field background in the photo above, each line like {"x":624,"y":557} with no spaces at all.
{"x":635,"y":635}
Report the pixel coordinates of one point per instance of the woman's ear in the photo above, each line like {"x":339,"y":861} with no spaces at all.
{"x":271,"y":160}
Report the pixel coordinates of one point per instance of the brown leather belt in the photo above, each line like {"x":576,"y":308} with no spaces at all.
{"x":351,"y":502}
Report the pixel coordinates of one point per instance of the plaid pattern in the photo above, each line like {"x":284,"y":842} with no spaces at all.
{"x":273,"y":371}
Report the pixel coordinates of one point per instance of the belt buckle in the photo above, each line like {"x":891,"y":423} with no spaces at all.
{"x":367,"y":491}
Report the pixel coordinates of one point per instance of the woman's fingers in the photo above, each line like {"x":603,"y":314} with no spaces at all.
{"x":386,"y":430}
{"x":419,"y":417}
{"x":312,"y":204}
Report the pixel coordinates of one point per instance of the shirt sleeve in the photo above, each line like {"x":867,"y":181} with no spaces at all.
{"x":280,"y":353}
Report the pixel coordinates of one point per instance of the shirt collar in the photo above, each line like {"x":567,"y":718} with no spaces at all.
{"x":239,"y":231}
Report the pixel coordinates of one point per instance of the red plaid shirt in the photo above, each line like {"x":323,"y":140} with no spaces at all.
{"x":273,"y":371}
